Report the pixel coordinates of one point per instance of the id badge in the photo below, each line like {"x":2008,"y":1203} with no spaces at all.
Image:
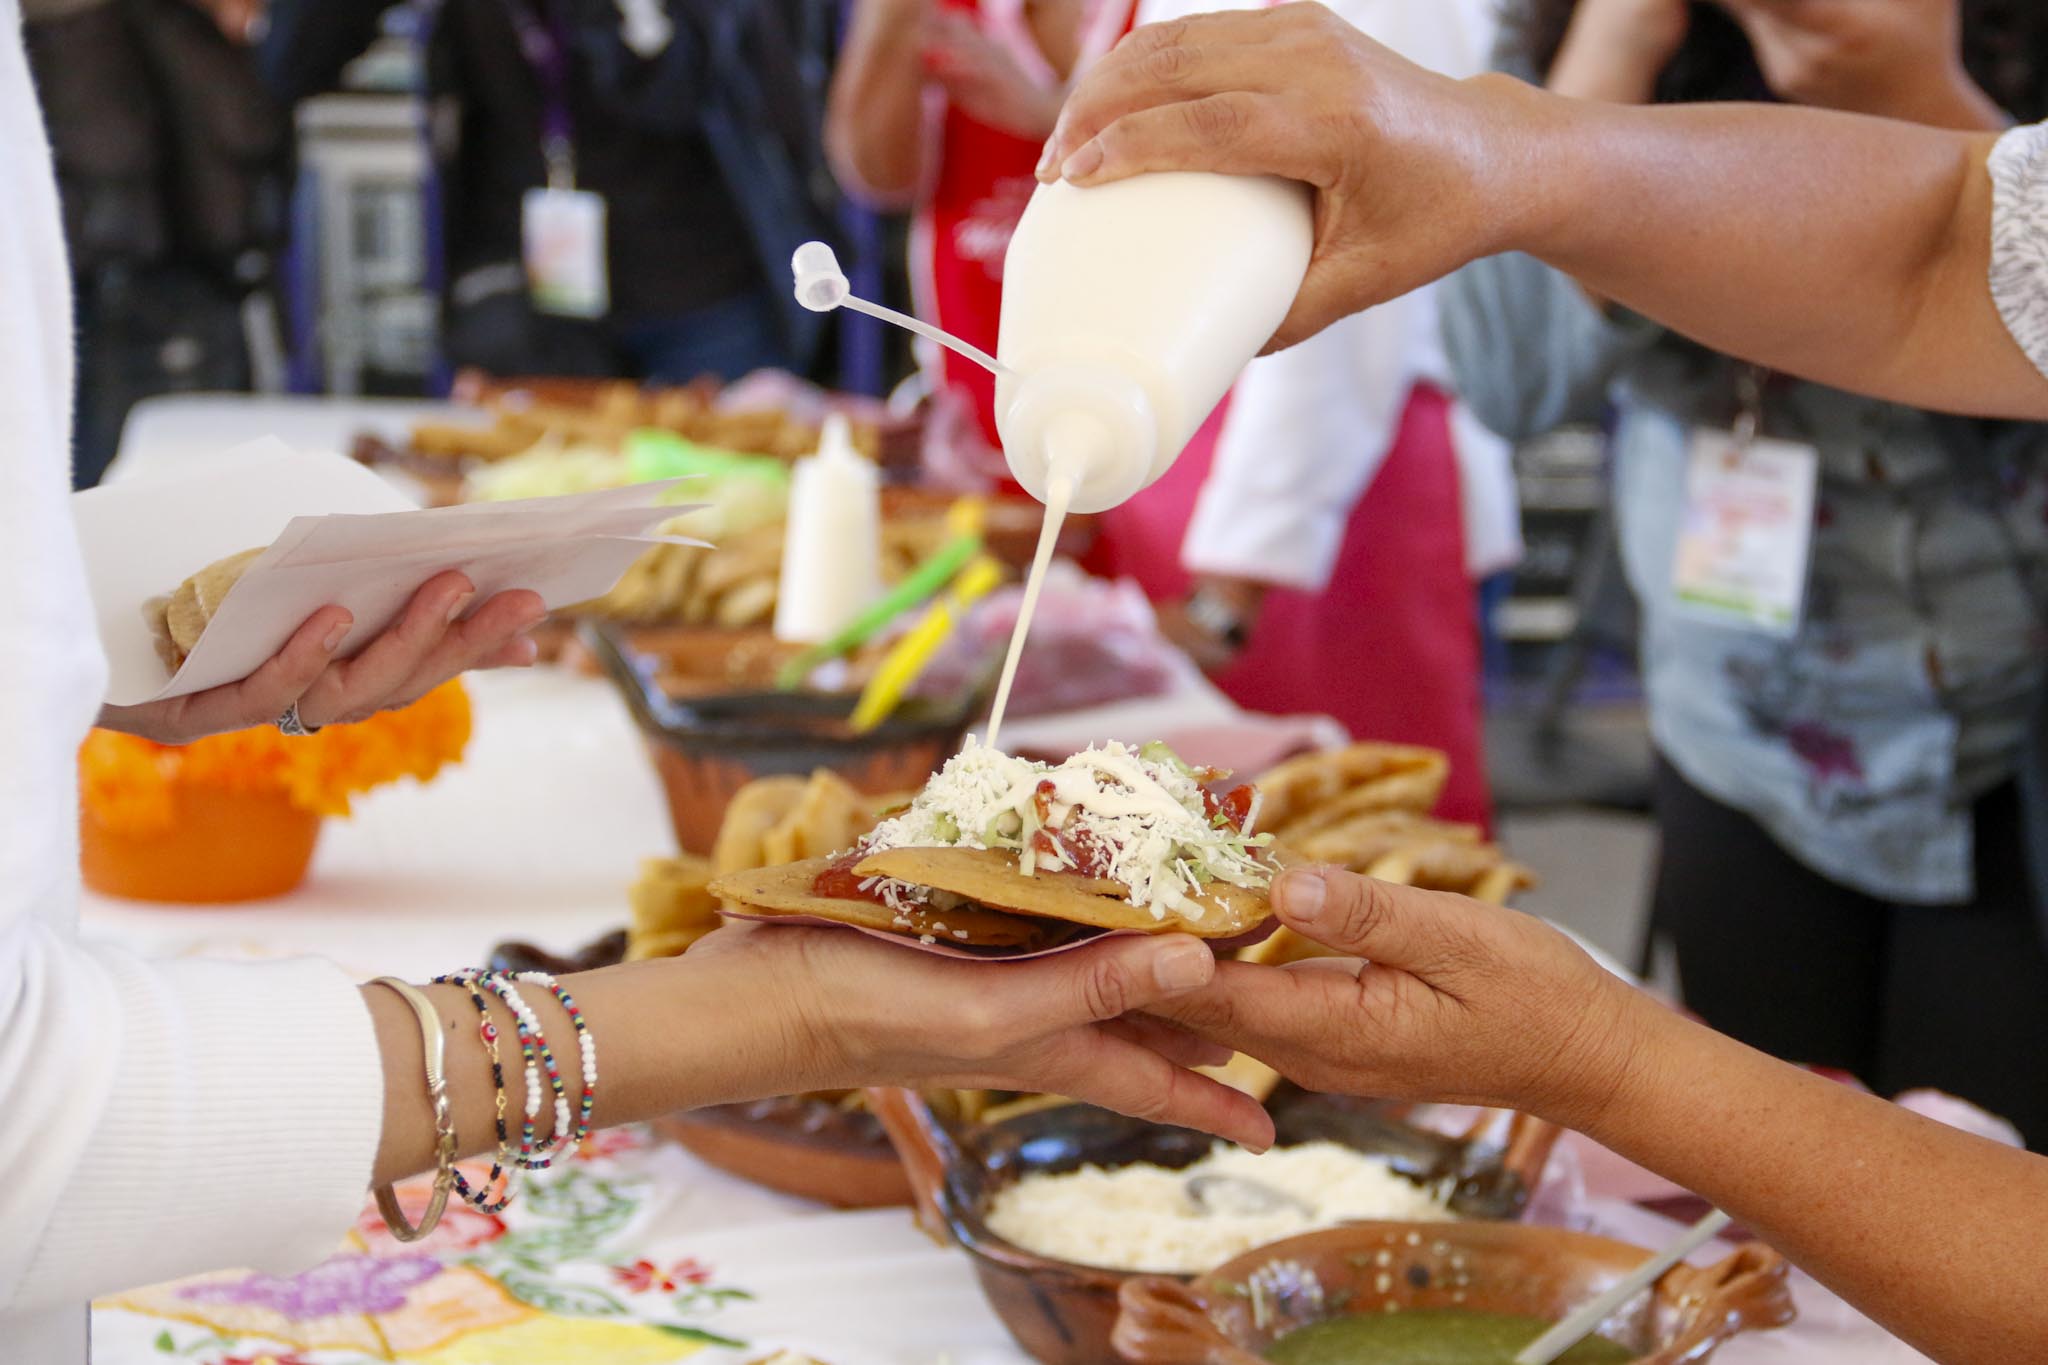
{"x":1747,"y":533}
{"x":562,"y":236}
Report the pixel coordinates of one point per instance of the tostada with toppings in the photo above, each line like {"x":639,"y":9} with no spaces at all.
{"x":1011,"y":855}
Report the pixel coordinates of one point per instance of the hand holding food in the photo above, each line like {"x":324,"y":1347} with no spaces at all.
{"x":1437,"y":997}
{"x":437,"y":638}
{"x":855,"y":1012}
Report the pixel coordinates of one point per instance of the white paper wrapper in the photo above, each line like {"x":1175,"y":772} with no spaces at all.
{"x":339,"y":535}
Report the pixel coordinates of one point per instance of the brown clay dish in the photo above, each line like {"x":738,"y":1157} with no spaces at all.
{"x":706,"y":748}
{"x":1234,"y":1314}
{"x":1062,"y":1313}
{"x":799,"y":1145}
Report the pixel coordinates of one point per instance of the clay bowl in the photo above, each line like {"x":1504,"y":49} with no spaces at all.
{"x":802,"y":1145}
{"x":1232,"y":1315}
{"x":1062,"y":1313}
{"x":706,"y":747}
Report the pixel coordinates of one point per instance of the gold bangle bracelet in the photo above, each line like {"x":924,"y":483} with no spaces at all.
{"x":435,"y":1048}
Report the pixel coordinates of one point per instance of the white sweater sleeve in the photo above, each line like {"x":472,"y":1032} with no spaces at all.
{"x":158,"y":1118}
{"x":2019,"y":238}
{"x":1305,"y":432}
{"x":166,"y":1118}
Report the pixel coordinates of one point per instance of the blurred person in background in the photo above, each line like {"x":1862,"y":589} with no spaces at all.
{"x":1842,"y":872}
{"x":174,"y":166}
{"x":621,"y":184}
{"x":941,"y":107}
{"x":1317,"y":546}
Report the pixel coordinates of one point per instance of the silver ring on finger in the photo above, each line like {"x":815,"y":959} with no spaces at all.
{"x":290,"y":724}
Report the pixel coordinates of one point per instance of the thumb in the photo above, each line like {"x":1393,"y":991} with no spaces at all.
{"x":1111,"y":978}
{"x":1395,"y":926}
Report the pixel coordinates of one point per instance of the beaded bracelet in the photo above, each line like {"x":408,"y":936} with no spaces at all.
{"x":433,"y":1046}
{"x":496,"y":1193}
{"x":534,"y":1049}
{"x":586,"y":1046}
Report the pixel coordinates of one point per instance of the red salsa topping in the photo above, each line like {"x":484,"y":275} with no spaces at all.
{"x":1234,"y":806}
{"x":840,"y":882}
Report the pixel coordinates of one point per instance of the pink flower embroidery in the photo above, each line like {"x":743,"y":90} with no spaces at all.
{"x":644,"y":1276}
{"x":461,"y":1228}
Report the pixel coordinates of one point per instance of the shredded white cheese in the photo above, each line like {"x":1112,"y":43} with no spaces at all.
{"x":1144,"y":808}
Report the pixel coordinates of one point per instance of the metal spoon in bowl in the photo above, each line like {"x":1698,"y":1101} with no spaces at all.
{"x":1236,"y":1194}
{"x":1582,"y":1320}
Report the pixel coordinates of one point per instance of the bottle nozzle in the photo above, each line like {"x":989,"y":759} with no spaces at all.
{"x":820,"y":284}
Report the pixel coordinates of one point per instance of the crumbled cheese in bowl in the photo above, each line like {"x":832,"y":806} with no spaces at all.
{"x":1142,"y":1218}
{"x":1142,"y":814}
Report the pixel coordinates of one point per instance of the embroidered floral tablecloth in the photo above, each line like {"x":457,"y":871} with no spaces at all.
{"x":637,"y":1254}
{"x":631,"y":1254}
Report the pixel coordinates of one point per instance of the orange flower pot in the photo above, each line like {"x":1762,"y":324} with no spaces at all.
{"x":221,"y":846}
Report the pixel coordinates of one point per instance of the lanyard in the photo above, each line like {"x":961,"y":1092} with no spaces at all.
{"x":544,"y":42}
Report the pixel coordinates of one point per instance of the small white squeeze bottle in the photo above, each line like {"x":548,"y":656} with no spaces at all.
{"x":832,"y":547}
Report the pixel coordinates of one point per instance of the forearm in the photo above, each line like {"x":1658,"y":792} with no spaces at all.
{"x":671,"y":1035}
{"x":1642,"y":205}
{"x":875,"y":116}
{"x":1933,"y":1232}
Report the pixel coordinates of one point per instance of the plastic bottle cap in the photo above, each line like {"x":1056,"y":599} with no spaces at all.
{"x":1094,"y":424}
{"x":820,"y":284}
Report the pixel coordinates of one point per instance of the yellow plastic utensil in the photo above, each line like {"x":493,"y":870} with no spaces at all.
{"x":901,"y":666}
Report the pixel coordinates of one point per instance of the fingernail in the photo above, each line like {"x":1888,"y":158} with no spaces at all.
{"x":1087,"y":161}
{"x":458,"y":606}
{"x":1300,"y":896}
{"x":336,"y":636}
{"x":1046,"y":158}
{"x":1182,"y":966}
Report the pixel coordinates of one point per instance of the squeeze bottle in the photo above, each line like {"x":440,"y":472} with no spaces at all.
{"x":1128,"y":310}
{"x":832,"y":546}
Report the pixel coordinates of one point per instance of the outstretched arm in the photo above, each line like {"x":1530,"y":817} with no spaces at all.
{"x":1933,"y":1232}
{"x":1848,"y":250}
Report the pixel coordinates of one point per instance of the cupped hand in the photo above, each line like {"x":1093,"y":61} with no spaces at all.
{"x":858,"y":1012}
{"x":1441,"y":998}
{"x":1893,"y":58}
{"x":984,"y":80}
{"x":437,"y":638}
{"x":1413,"y":171}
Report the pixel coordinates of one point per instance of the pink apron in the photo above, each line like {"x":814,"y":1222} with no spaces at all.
{"x":1391,"y":647}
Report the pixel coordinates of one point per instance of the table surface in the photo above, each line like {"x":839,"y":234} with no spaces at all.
{"x":634,"y":1253}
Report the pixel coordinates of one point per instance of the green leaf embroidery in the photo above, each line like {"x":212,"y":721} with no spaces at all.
{"x":699,"y":1335}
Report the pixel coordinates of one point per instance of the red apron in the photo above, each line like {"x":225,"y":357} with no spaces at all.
{"x":985,"y":177}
